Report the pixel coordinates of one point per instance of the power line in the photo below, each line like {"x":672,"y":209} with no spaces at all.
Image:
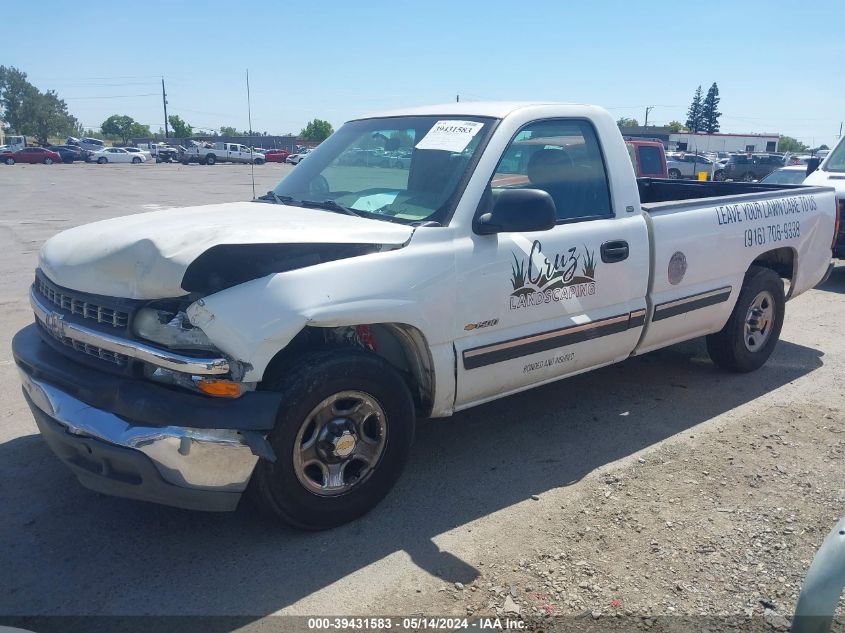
{"x":148,"y":94}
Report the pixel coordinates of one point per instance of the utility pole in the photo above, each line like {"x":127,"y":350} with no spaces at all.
{"x":647,"y":110}
{"x":458,"y":99}
{"x":840,"y":129}
{"x":164,"y":102}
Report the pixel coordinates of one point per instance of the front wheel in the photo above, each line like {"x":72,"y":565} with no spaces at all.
{"x":342,"y":436}
{"x":753,"y":329}
{"x":258,"y":161}
{"x":48,"y":161}
{"x":136,"y":160}
{"x":10,"y":161}
{"x":674,"y":174}
{"x":102,"y":160}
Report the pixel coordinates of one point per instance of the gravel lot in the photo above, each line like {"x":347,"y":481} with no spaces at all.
{"x":657,"y":486}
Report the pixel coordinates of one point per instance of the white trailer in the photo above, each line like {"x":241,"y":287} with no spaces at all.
{"x":702,"y":143}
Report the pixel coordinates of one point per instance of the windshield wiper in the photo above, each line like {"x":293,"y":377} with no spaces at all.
{"x":272,"y":195}
{"x":330,"y":205}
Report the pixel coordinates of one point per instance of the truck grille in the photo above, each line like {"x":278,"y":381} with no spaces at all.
{"x":121,"y":360}
{"x":77,"y":305}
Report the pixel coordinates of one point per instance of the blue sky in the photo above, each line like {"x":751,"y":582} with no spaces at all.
{"x":779,"y":65}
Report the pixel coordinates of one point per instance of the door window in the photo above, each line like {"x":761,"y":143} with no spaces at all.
{"x":563,"y":158}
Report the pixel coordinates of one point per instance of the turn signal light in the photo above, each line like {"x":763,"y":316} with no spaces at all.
{"x":840,"y":211}
{"x":219,"y":388}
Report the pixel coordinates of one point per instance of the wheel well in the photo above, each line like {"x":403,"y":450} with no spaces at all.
{"x":401,"y":345}
{"x":780,"y":260}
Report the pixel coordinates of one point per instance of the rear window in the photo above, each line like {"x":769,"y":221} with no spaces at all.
{"x":650,"y":162}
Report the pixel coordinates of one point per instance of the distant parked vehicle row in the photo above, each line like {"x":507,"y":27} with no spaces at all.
{"x":276,"y":155}
{"x":295,"y":159}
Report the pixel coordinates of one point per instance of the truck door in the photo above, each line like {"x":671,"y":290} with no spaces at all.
{"x":535,"y":306}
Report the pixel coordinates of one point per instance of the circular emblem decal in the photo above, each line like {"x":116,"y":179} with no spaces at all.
{"x":344,"y":445}
{"x":677,"y":268}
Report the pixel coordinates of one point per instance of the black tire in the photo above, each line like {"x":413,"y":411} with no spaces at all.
{"x":186,"y":162}
{"x":136,"y":160}
{"x":674,"y":174}
{"x":719,"y":175}
{"x":48,"y":161}
{"x":275,"y":487}
{"x":748,"y":177}
{"x":210,"y":159}
{"x":727,"y":348}
{"x":258,"y":161}
{"x":10,"y":161}
{"x":102,"y":160}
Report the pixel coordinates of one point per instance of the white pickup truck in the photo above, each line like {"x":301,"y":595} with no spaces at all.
{"x":211,"y":153}
{"x":287,"y":346}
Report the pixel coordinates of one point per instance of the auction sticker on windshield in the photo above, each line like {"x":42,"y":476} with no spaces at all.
{"x":451,"y":136}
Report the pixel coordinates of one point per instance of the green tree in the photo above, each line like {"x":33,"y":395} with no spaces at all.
{"x":228,"y":130}
{"x":317,"y":130}
{"x":694,"y":114}
{"x":180,"y":128}
{"x":676,"y":126}
{"x":625,"y":122}
{"x":710,"y":110}
{"x":27,"y":110}
{"x":139,"y":130}
{"x":119,"y":126}
{"x":789,"y":144}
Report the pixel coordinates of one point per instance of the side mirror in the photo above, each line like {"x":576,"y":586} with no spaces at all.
{"x":518,"y":211}
{"x":813,"y":164}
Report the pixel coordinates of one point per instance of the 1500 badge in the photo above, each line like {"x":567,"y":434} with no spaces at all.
{"x":481,"y":324}
{"x":541,"y":280}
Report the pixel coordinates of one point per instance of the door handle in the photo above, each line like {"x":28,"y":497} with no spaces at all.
{"x":614,"y":251}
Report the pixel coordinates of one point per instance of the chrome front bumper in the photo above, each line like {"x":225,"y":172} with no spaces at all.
{"x":203,"y":469}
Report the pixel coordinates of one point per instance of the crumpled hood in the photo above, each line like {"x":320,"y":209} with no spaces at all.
{"x":145,"y":256}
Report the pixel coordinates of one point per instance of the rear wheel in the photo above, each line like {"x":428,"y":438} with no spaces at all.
{"x":719,"y":175}
{"x":753,"y":329}
{"x":210,"y":159}
{"x":259,"y":161}
{"x":342,"y":436}
{"x":10,"y":161}
{"x":674,"y":174}
{"x":48,"y":161}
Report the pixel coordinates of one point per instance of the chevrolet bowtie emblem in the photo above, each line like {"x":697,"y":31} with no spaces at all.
{"x":54,"y":322}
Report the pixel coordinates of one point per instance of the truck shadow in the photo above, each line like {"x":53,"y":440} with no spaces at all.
{"x":836,"y":281}
{"x":113,"y":556}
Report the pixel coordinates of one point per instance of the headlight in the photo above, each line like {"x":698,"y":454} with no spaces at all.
{"x":171,"y":329}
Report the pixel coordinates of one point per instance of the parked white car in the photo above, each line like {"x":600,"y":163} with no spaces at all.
{"x":688,"y":166}
{"x":142,"y":152}
{"x":291,"y":344}
{"x":295,"y":159}
{"x":116,"y":155}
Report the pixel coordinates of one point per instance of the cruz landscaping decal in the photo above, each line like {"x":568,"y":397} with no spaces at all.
{"x":539,"y":280}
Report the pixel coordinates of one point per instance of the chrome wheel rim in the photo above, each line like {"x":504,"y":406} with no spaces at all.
{"x":340,"y":443}
{"x":759,"y":321}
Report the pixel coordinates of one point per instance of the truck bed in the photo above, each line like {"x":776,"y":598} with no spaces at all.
{"x":655,"y":191}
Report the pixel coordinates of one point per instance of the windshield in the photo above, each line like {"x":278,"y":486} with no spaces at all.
{"x":836,"y":159}
{"x":786,"y":177}
{"x":401,"y":169}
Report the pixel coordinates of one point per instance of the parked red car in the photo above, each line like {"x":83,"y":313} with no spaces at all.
{"x":276,"y":155}
{"x":32,"y":155}
{"x":648,"y":157}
